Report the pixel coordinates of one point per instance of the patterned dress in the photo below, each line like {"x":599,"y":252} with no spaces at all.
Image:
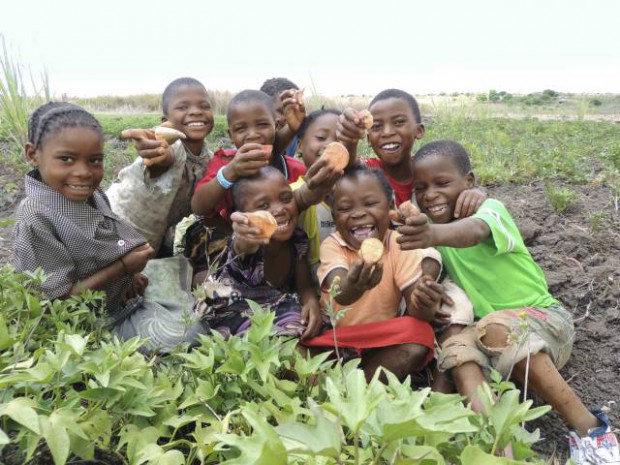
{"x":246,"y":276}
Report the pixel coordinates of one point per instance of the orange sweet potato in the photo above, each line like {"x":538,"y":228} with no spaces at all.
{"x":366,"y":118}
{"x":264,"y":221}
{"x":336,"y":155}
{"x":371,"y":250}
{"x":407,"y":209}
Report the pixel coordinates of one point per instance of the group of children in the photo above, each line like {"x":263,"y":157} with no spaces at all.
{"x":390,"y":312}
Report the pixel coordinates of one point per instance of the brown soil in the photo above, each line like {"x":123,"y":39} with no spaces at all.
{"x":579,"y":251}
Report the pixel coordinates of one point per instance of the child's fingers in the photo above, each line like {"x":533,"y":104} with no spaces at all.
{"x":138,"y":134}
{"x":239,"y":218}
{"x":153,"y":161}
{"x":355,"y":270}
{"x":376,"y":275}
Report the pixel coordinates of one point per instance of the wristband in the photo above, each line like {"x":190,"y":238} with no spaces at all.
{"x":225,"y":183}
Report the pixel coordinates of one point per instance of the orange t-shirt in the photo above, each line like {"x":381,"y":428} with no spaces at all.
{"x":401,"y":268}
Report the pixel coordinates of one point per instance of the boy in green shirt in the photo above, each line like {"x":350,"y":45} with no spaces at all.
{"x":486,"y":256}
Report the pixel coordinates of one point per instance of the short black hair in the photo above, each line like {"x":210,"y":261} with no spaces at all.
{"x":275,"y":86}
{"x":240,"y":187}
{"x":312,"y":117}
{"x":50,"y":118}
{"x":251,"y":96}
{"x":359,"y":169}
{"x":401,"y":94}
{"x":174,"y":86}
{"x":446,"y":148}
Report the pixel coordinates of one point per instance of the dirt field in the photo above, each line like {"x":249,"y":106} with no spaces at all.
{"x":580,"y":254}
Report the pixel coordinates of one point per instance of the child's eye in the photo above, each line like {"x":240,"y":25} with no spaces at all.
{"x":65,"y":158}
{"x":182,"y":108}
{"x":419,"y":187}
{"x":287,"y":197}
{"x":375,"y":127}
{"x":97,"y":161}
{"x":400,"y":122}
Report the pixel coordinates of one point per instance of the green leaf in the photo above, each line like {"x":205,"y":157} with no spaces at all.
{"x":322,"y":438}
{"x":537,"y":412}
{"x":263,"y":447}
{"x":171,"y":457}
{"x":56,"y":437}
{"x":359,"y":400}
{"x":474,"y":455}
{"x":418,"y":455}
{"x":6,"y":340}
{"x":4,"y":439}
{"x":76,"y":342}
{"x":20,"y":411}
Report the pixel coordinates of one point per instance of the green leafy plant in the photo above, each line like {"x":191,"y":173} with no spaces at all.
{"x":71,"y":392}
{"x":560,"y":198}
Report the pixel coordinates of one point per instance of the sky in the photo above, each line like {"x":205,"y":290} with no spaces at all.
{"x":330,"y":47}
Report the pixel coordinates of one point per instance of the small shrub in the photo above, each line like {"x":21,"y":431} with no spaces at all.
{"x":560,"y":198}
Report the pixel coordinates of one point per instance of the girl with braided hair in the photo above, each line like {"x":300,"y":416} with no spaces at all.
{"x":65,"y":227}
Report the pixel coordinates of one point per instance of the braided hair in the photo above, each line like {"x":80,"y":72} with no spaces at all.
{"x":51,"y":117}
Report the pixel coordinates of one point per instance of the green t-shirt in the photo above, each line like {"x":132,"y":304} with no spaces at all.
{"x":498,"y":273}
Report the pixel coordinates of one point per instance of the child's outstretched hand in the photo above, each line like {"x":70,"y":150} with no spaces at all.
{"x":468,"y":202}
{"x":247,"y":239}
{"x":154,"y":152}
{"x":136,"y":260}
{"x":416,"y":233}
{"x":362,"y":276}
{"x":322,"y":174}
{"x":427,"y":297}
{"x":293,"y":108}
{"x":247,"y":161}
{"x":350,"y":127}
{"x":311,"y":317}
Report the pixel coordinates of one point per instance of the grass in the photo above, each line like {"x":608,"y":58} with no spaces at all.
{"x":560,"y":198}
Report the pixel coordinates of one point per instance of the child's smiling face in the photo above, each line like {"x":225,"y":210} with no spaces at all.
{"x":251,"y":122}
{"x":271,"y":192}
{"x":321,"y":132}
{"x":70,"y":161}
{"x":360,"y":209}
{"x":438,"y":184}
{"x":190,"y":112}
{"x":394,"y":130}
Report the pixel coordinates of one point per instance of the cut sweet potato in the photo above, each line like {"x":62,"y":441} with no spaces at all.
{"x":396,"y":217}
{"x":336,"y":155}
{"x":371,"y":250}
{"x":170,"y":135}
{"x":407,"y":209}
{"x":264,"y":221}
{"x":267,"y":149}
{"x":366,"y":118}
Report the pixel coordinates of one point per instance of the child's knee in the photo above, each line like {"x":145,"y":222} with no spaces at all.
{"x":493,"y":335}
{"x":461,"y":348}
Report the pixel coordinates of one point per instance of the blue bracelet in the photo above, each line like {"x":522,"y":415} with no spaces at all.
{"x":225,"y":183}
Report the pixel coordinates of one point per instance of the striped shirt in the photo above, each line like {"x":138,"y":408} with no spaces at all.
{"x":71,"y":240}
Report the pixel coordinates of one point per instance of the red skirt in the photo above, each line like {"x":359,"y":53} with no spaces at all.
{"x":393,"y":332}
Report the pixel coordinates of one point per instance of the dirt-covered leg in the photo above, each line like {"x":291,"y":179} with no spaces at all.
{"x":402,"y":360}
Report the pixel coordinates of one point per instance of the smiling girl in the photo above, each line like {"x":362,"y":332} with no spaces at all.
{"x":273,"y":272}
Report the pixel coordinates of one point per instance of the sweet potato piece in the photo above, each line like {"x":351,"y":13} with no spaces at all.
{"x":168,"y":134}
{"x":336,"y":155}
{"x":366,"y":118}
{"x":267,"y":149}
{"x":396,"y":217}
{"x":298,"y":95}
{"x":407,"y":209}
{"x":264,"y":221}
{"x":371,"y":250}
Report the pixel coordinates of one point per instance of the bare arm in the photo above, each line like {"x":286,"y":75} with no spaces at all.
{"x":131,"y":263}
{"x":418,"y":233}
